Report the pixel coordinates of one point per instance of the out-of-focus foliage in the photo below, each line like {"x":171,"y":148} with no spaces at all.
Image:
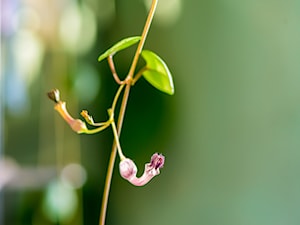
{"x":230,"y":133}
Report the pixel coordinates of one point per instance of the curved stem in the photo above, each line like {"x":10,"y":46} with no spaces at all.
{"x":113,"y":69}
{"x":122,"y":113}
{"x":114,"y":128}
{"x":96,"y":130}
{"x":113,"y":106}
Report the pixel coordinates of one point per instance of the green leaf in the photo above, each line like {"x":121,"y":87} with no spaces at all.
{"x":157,"y":72}
{"x":125,"y":43}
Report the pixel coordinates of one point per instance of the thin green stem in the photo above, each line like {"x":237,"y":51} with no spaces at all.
{"x":143,"y":38}
{"x":98,"y":124}
{"x":114,"y":128}
{"x":122,"y":113}
{"x":113,"y":158}
{"x":107,"y":185}
{"x":96,"y":130}
{"x":113,"y":106}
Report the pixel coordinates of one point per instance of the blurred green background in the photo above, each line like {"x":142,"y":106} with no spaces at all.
{"x":230,"y":134}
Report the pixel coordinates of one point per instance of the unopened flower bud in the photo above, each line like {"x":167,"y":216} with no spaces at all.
{"x":87,"y":117}
{"x":54,"y":95}
{"x":128,"y":169}
{"x":76,"y":124}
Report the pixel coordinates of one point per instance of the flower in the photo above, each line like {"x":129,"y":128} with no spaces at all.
{"x":128,"y":169}
{"x":77,"y":125}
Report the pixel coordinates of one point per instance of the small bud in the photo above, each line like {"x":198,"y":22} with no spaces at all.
{"x":54,"y":95}
{"x":87,"y":117}
{"x":128,"y":169}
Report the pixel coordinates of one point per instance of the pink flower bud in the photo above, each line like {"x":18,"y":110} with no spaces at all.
{"x":77,"y":125}
{"x":128,"y":170}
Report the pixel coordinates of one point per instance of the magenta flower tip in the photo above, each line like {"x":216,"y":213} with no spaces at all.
{"x":157,"y":161}
{"x":128,"y":169}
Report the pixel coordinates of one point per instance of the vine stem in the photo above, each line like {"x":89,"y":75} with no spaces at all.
{"x":129,"y":79}
{"x":143,"y":38}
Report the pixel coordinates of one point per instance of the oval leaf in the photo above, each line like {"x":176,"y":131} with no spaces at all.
{"x":157,"y":72}
{"x":125,"y":43}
